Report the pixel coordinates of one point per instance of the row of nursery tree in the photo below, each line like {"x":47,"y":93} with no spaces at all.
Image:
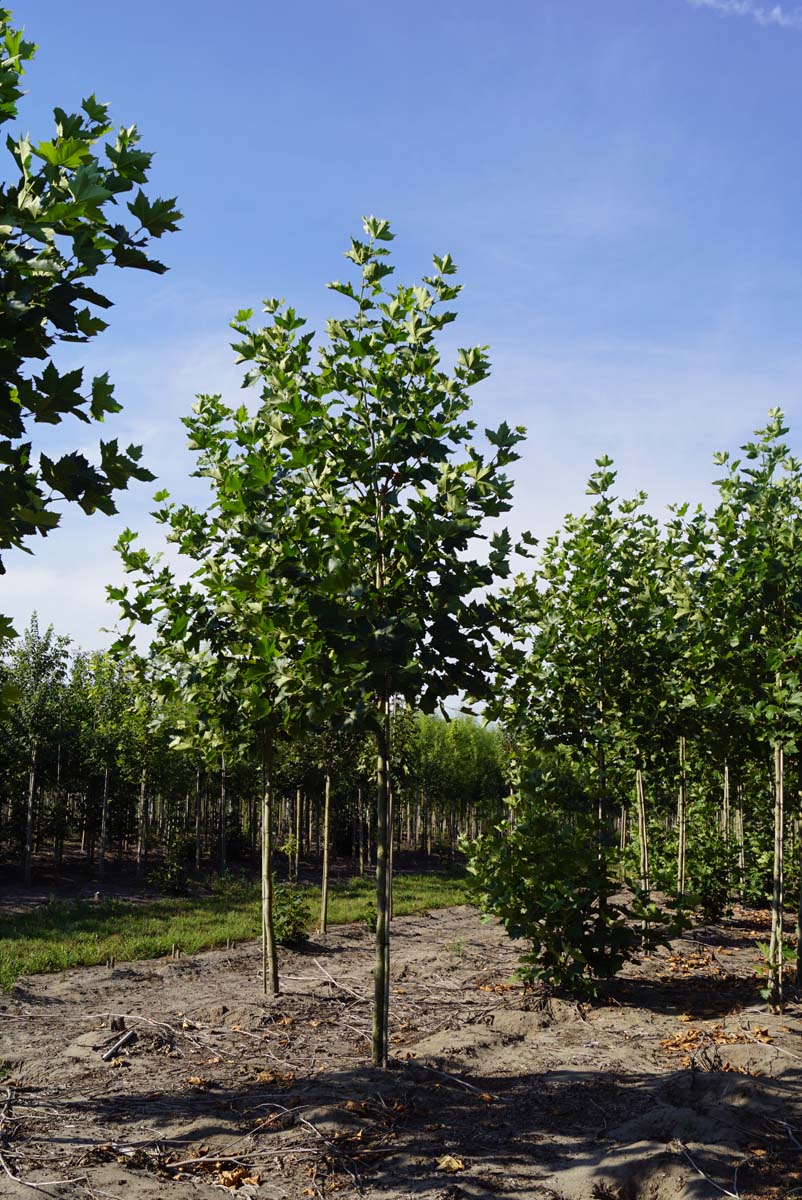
{"x":653,"y":698}
{"x":91,"y":764}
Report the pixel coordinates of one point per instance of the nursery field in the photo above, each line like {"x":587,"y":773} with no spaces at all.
{"x":675,"y":1074}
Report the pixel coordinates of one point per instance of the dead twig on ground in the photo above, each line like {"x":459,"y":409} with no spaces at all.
{"x":341,"y":986}
{"x":42,"y":1186}
{"x":414,"y":1062}
{"x":724,"y":1191}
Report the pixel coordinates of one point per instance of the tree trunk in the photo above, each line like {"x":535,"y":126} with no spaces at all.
{"x":776,"y":962}
{"x":252,"y":821}
{"x":725,"y":806}
{"x":29,"y":822}
{"x":142,"y":841}
{"x":643,"y":836}
{"x":104,"y":826}
{"x":198,"y":820}
{"x":381,"y":968}
{"x":299,"y":801}
{"x":390,"y":851}
{"x":682,"y":822}
{"x":324,"y":889}
{"x":739,"y":792}
{"x":270,"y":982}
{"x":60,"y":816}
{"x":360,"y":817}
{"x":601,"y":824}
{"x":799,"y":926}
{"x":222,"y":812}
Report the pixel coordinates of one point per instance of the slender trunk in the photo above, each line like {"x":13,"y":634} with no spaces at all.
{"x":324,"y":890}
{"x":390,"y":849}
{"x":643,"y":836}
{"x":299,"y":799}
{"x":601,"y":802}
{"x":776,"y":941}
{"x":198,"y":820}
{"x":601,"y":823}
{"x":29,"y":822}
{"x":380,"y":971}
{"x":799,"y":927}
{"x":270,"y":982}
{"x":725,"y":806}
{"x":59,"y":816}
{"x":739,"y":792}
{"x":104,"y":826}
{"x":142,"y":842}
{"x":222,"y":812}
{"x":389,"y":885}
{"x":360,"y":816}
{"x":682,"y":822}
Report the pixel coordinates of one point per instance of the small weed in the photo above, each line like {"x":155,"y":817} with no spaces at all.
{"x":458,"y":949}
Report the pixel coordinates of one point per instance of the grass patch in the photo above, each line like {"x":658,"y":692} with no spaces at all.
{"x":79,"y":933}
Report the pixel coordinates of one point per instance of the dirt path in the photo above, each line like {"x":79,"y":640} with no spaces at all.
{"x":494,"y":1093}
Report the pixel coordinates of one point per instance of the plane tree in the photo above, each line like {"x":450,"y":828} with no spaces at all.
{"x":64,"y":217}
{"x":337,"y":560}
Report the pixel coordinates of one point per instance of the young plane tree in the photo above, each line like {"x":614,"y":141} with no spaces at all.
{"x":407,"y":492}
{"x":339,"y":551}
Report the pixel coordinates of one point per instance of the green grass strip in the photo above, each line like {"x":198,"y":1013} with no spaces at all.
{"x":79,"y":933}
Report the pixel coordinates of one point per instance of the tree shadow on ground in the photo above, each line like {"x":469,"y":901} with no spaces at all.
{"x":702,"y":997}
{"x":416,"y":1130}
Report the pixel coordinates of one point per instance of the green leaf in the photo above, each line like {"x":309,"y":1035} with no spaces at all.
{"x":67,"y":152}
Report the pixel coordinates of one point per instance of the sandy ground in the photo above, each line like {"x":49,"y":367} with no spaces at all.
{"x":494,"y":1092}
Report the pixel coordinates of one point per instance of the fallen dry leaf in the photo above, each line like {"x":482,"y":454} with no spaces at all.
{"x":236,"y":1178}
{"x":449,"y":1163}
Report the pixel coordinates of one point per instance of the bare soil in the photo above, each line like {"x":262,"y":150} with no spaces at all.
{"x":677,"y":1083}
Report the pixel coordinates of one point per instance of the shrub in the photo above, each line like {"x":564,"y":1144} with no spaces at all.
{"x":172,"y":877}
{"x":543,"y":879}
{"x":291,"y":914}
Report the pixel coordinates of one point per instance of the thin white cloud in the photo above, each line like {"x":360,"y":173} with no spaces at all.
{"x":763,"y":14}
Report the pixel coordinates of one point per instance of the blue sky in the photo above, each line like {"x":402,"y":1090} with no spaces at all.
{"x":620,"y":182}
